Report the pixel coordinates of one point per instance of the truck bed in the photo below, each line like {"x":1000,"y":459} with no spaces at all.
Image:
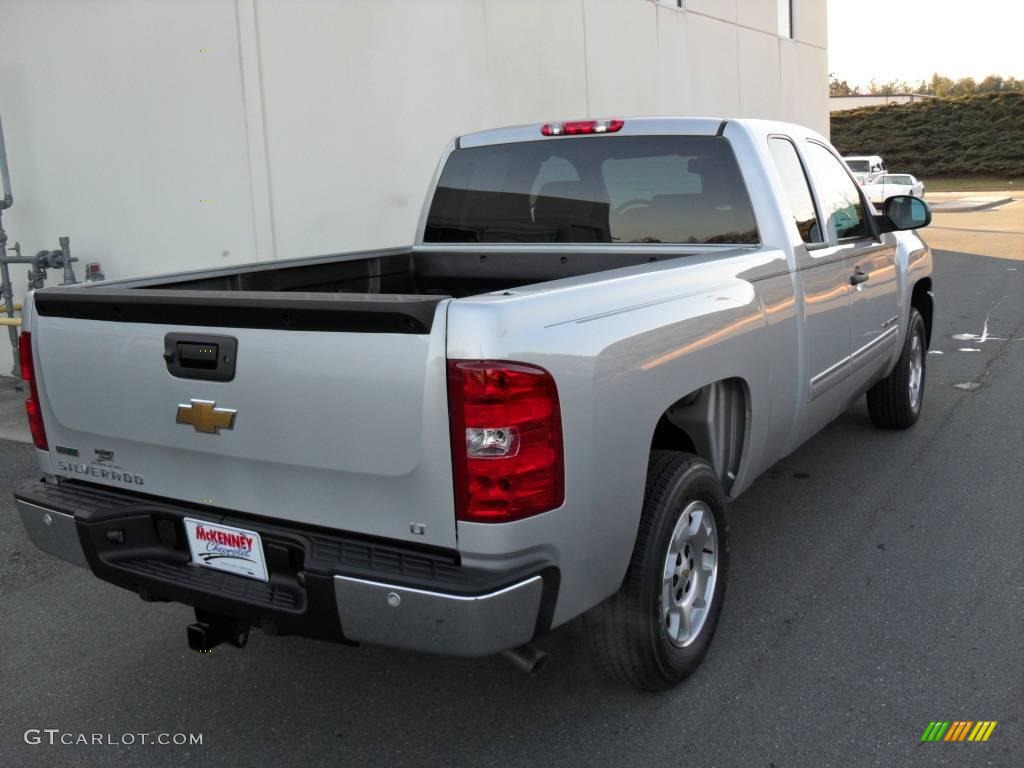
{"x":400,"y":271}
{"x":381,"y":291}
{"x":313,"y":352}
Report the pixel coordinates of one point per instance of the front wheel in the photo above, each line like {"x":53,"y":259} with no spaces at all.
{"x":895,"y":401}
{"x":656,"y":629}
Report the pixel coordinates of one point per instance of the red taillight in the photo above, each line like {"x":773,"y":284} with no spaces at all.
{"x":577,"y":127}
{"x":28,"y":373}
{"x":506,"y":433}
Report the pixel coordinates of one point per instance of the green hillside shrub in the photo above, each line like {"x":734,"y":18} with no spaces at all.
{"x":980,"y":134}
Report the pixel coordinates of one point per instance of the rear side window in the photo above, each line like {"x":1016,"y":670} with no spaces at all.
{"x":838,"y":192}
{"x":788,"y":164}
{"x":593,"y":189}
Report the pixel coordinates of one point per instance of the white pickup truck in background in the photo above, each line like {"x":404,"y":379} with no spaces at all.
{"x":864,"y":167}
{"x":604,"y":331}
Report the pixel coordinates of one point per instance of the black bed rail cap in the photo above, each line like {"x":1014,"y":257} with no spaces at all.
{"x":292,"y":311}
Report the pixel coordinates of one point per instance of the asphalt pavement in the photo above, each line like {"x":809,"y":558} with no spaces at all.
{"x":877,"y":584}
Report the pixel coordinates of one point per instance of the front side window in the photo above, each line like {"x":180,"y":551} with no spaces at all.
{"x":858,"y":166}
{"x":787,"y":162}
{"x":593,"y":189}
{"x":838,"y":192}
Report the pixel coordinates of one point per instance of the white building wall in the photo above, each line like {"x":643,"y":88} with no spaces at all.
{"x":173,"y":135}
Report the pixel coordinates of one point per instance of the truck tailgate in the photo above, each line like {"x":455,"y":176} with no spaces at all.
{"x":342,"y":429}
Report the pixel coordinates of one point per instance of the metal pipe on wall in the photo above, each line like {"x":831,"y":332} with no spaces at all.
{"x":5,"y":272}
{"x":42,"y":261}
{"x":5,"y":176}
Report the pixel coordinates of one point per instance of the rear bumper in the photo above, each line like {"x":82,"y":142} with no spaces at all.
{"x":323,"y":584}
{"x":52,"y":531}
{"x":422,"y":620}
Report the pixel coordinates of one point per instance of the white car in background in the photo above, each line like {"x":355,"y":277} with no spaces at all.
{"x":864,"y":166}
{"x":882,"y":186}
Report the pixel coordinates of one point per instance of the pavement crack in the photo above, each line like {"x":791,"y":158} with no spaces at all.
{"x":1001,"y":352}
{"x":984,"y":330}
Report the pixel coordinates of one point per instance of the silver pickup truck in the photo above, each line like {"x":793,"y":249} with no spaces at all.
{"x":604,"y":331}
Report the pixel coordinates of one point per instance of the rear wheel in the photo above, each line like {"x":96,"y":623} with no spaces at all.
{"x":657,"y":628}
{"x":895,"y":402}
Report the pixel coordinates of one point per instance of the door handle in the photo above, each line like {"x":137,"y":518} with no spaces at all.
{"x":859,"y":277}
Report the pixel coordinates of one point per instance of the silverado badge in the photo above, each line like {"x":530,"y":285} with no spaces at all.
{"x":202,"y":415}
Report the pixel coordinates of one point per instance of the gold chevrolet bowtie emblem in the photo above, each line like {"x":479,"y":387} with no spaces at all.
{"x":202,"y":415}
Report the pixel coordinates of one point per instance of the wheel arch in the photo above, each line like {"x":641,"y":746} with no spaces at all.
{"x":922,"y":299}
{"x":711,"y":422}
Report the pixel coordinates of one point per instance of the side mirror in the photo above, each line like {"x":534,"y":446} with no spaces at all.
{"x":904,"y":212}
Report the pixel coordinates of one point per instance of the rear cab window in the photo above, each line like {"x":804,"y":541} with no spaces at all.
{"x":594,"y":189}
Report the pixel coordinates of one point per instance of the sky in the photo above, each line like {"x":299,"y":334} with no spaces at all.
{"x":910,"y":39}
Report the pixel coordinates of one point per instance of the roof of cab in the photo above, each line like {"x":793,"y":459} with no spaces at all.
{"x":638,"y":126}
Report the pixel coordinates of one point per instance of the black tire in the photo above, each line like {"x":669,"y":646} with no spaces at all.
{"x":891,"y":404}
{"x":626,"y":633}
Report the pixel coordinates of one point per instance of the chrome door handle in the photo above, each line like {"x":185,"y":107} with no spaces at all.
{"x":859,"y":277}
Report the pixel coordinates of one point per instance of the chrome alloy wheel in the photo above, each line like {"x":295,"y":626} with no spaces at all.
{"x":916,"y":378}
{"x":691,"y":569}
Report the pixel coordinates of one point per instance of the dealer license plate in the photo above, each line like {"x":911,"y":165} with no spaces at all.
{"x":226,"y":548}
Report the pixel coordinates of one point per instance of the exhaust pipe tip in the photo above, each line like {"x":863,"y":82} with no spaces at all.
{"x":528,"y":658}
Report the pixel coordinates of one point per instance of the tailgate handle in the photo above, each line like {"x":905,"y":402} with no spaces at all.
{"x":192,"y":354}
{"x":196,"y":356}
